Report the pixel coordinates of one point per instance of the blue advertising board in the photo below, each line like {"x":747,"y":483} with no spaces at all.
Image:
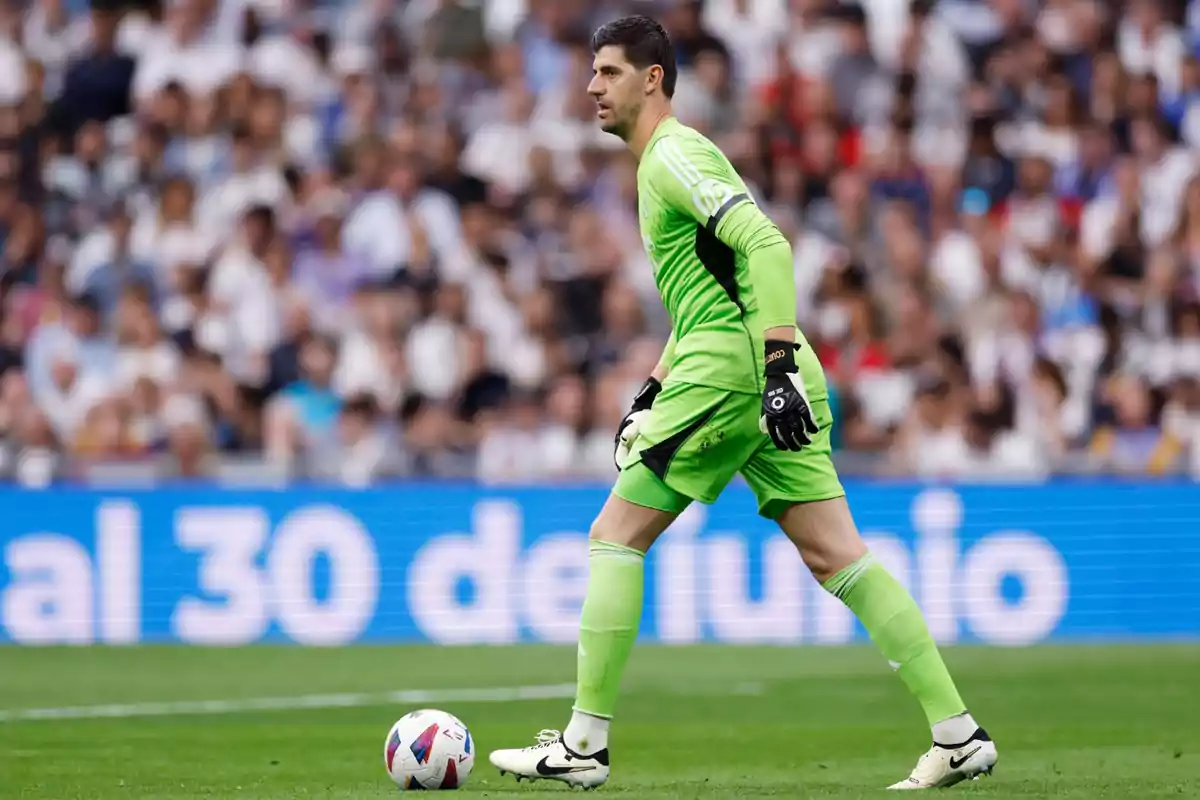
{"x":463,"y":564}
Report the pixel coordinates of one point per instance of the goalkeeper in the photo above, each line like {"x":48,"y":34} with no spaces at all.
{"x":738,"y":389}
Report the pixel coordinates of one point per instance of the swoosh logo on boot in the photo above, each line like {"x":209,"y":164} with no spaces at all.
{"x":544,"y":768}
{"x":955,"y":763}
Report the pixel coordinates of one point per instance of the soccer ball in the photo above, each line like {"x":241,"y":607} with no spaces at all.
{"x":429,"y":749}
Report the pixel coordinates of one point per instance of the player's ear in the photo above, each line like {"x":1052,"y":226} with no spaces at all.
{"x":654,"y":77}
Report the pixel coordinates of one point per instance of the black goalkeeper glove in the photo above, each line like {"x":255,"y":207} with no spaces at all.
{"x":786,"y":414}
{"x":627,"y":431}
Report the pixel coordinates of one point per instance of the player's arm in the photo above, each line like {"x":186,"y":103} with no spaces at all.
{"x":663,"y":368}
{"x":699,"y":182}
{"x":696,"y":181}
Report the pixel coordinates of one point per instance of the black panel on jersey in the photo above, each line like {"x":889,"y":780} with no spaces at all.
{"x":719,"y":259}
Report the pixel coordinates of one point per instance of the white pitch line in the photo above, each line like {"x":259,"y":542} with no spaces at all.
{"x":553,"y":691}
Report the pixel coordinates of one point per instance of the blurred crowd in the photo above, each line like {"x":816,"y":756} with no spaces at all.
{"x":354,"y":239}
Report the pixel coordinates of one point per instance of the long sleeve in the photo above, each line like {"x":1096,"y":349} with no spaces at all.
{"x":668,"y":353}
{"x":697,"y":180}
{"x":751,"y":234}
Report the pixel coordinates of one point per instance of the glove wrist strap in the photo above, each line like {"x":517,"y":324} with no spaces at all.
{"x":645,"y":396}
{"x":779,"y":357}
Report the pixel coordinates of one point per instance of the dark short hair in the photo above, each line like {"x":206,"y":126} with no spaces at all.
{"x":644,"y":43}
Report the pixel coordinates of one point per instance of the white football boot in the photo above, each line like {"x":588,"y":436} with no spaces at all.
{"x":550,"y":759}
{"x":946,"y":765}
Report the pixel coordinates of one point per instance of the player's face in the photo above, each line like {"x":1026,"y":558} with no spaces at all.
{"x":618,"y":88}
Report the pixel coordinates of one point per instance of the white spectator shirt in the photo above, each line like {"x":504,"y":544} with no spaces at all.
{"x":596,"y":454}
{"x":509,"y":349}
{"x":159,"y":363}
{"x":811,"y":255}
{"x":246,"y":313}
{"x":12,"y":73}
{"x":565,"y":136}
{"x":884,"y":395}
{"x":1163,"y":186}
{"x":752,"y":38}
{"x":1000,"y":355}
{"x":360,"y":463}
{"x":167,"y":246}
{"x":946,"y":454}
{"x":283,"y":62}
{"x":435,"y":357}
{"x":498,"y":152}
{"x":558,"y":446}
{"x":957,"y":266}
{"x":438,"y":214}
{"x":1096,"y":227}
{"x":378,"y":230}
{"x":941,"y":61}
{"x":54,"y":48}
{"x":1189,"y":126}
{"x":1159,"y":55}
{"x":507,"y":455}
{"x":67,"y":409}
{"x":135,"y":34}
{"x":200,"y":66}
{"x":694,"y":105}
{"x":222,"y":206}
{"x":362,"y":369}
{"x":501,"y":18}
{"x":1184,"y":426}
{"x":94,"y":251}
{"x":812,"y":50}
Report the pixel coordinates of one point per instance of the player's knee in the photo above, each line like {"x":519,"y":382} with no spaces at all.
{"x":825,"y":534}
{"x":603,"y":530}
{"x":629,"y":525}
{"x":820,"y":562}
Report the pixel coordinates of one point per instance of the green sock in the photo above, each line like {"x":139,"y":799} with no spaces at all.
{"x":608,"y":626}
{"x":894,"y":621}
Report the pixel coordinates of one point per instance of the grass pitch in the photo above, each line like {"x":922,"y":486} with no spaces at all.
{"x":708,"y":722}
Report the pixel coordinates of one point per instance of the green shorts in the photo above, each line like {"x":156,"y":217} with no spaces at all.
{"x":696,"y":438}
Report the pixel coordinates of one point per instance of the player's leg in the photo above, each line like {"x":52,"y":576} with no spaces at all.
{"x":829,"y":542}
{"x":663,"y":479}
{"x":608,"y":627}
{"x":802,"y":492}
{"x":612,"y":608}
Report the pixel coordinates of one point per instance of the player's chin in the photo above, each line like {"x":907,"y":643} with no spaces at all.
{"x":610,"y":125}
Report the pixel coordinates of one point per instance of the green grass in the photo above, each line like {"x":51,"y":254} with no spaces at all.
{"x":1070,"y":722}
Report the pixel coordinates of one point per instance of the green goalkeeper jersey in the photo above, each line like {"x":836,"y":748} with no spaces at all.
{"x":723,"y":269}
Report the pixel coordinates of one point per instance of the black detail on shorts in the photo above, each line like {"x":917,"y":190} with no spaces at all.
{"x":658,"y":457}
{"x":720,"y":261}
{"x":726,"y":207}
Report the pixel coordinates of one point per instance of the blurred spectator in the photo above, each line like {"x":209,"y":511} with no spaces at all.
{"x":367,"y":239}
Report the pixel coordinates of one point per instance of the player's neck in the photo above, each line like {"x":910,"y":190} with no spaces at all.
{"x":647,"y":124}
